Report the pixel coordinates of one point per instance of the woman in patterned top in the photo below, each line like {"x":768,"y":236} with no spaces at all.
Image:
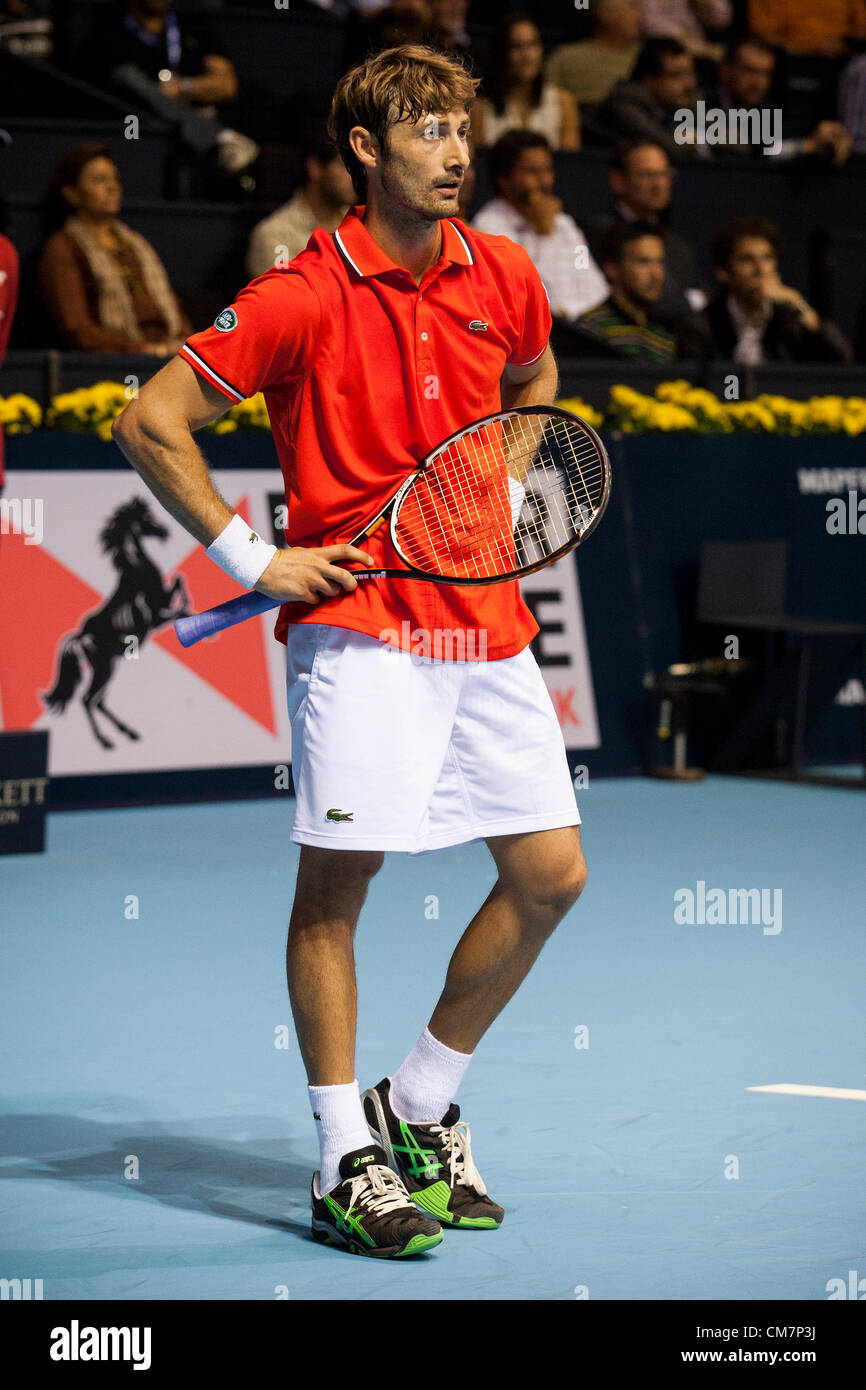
{"x":104,"y":285}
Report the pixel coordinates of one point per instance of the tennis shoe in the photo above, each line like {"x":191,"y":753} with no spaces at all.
{"x":370,"y":1212}
{"x":434,"y":1161}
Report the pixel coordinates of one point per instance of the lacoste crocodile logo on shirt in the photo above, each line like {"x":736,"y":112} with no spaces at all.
{"x":477,"y":326}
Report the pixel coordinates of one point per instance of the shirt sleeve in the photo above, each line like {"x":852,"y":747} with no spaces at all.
{"x":265,"y":338}
{"x":533,"y":320}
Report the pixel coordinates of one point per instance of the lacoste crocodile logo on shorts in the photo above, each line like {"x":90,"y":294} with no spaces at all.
{"x":336,"y":814}
{"x":478,"y":326}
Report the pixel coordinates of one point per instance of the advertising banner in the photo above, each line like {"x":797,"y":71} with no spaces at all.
{"x":92,"y":574}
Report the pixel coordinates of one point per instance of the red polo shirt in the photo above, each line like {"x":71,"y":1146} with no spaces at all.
{"x":363,"y":373}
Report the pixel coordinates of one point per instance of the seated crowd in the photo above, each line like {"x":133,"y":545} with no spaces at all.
{"x":622,"y":284}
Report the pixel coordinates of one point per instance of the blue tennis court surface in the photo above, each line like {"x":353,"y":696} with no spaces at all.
{"x":636,"y":1164}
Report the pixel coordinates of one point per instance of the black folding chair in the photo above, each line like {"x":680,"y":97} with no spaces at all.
{"x":741,"y":587}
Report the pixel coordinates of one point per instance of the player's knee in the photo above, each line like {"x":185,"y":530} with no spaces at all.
{"x":559,"y":891}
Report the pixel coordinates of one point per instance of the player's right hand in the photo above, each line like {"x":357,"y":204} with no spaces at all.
{"x":309,"y":575}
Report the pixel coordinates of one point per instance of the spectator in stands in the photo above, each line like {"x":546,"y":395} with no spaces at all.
{"x":175,"y":65}
{"x":641,"y":181}
{"x":103,"y":284}
{"x":322,"y":200}
{"x":516,"y":95}
{"x":526,"y":210}
{"x":756,"y":318}
{"x":633,"y":260}
{"x":438,"y":23}
{"x":27,"y":28}
{"x":688,"y":21}
{"x":449,"y":24}
{"x":385,"y":26}
{"x":824,"y":28}
{"x":644,"y":106}
{"x":745,"y":77}
{"x":852,"y":102}
{"x":590,"y":68}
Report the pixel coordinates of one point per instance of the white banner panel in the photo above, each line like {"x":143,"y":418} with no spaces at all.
{"x":87,"y":648}
{"x":553,"y":594}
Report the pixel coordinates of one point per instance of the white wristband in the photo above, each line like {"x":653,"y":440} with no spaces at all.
{"x":241,"y":552}
{"x":516,"y":496}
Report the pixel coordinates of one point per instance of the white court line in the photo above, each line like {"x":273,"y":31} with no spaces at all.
{"x":834,"y":1092}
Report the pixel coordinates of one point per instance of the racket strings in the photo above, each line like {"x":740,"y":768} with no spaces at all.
{"x":502,"y":496}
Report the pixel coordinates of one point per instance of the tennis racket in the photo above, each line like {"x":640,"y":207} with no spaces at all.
{"x":499,"y":499}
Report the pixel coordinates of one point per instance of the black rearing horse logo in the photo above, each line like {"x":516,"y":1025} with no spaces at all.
{"x":140,"y":602}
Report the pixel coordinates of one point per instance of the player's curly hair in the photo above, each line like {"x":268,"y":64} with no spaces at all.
{"x":398,"y":84}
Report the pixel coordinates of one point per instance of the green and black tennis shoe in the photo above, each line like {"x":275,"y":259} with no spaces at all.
{"x":434,"y":1161}
{"x":370,"y":1212}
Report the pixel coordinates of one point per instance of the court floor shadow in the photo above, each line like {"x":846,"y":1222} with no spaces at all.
{"x":189,"y":1164}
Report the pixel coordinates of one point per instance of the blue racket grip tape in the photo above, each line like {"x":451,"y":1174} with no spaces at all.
{"x":236,"y":610}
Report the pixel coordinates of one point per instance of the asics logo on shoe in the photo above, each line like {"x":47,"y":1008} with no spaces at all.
{"x":367,"y":1158}
{"x":349,"y":1224}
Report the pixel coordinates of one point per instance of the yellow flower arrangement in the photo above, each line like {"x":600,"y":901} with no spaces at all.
{"x":676,"y":407}
{"x":90,"y":408}
{"x":586,"y":411}
{"x":251,"y":414}
{"x":19,"y":414}
{"x":634,"y":413}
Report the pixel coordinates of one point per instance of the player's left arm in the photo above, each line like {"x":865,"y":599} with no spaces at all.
{"x":534,"y":384}
{"x":530,"y":376}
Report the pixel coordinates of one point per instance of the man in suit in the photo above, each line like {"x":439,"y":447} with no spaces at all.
{"x":756,"y":318}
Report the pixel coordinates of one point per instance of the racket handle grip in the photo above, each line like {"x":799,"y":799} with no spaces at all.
{"x":236,"y":610}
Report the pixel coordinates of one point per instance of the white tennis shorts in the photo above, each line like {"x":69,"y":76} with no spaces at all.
{"x":395,"y":751}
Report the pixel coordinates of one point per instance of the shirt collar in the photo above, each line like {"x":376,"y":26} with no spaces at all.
{"x":366,"y":256}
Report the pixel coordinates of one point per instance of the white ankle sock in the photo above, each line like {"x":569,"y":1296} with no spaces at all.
{"x":425,"y":1085}
{"x":340,"y":1125}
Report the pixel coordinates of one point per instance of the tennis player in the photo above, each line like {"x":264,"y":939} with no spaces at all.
{"x":371,"y":346}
